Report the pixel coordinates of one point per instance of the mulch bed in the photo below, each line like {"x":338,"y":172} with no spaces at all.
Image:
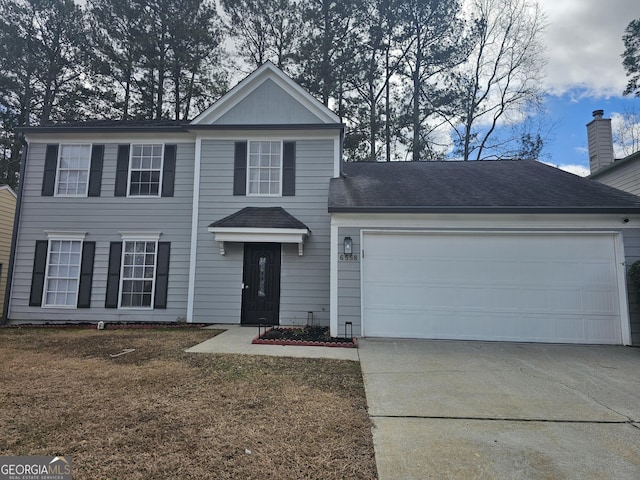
{"x":309,"y":336}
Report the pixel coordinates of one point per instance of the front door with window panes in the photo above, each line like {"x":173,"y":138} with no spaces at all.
{"x":261,"y":284}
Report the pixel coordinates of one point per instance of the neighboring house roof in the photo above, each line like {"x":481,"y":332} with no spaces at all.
{"x":499,"y":186}
{"x":260,"y":217}
{"x":9,"y":189}
{"x":617,"y":163}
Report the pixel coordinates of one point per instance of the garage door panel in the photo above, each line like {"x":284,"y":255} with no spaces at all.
{"x":517,"y":287}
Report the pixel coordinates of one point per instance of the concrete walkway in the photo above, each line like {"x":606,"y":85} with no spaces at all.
{"x":477,"y":410}
{"x":237,"y":339}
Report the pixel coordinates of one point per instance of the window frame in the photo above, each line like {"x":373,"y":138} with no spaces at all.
{"x":148,"y":238}
{"x":62,"y":237}
{"x":249,"y":168}
{"x":58,"y":168}
{"x":130,"y":170}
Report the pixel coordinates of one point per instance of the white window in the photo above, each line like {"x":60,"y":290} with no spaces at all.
{"x":73,"y":170}
{"x":264,"y":168}
{"x":145,"y":170}
{"x":62,"y":273}
{"x":137,"y":286}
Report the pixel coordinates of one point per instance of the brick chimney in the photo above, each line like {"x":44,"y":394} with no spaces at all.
{"x":600,"y":141}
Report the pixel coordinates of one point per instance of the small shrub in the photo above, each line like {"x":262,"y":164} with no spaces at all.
{"x":634,"y":276}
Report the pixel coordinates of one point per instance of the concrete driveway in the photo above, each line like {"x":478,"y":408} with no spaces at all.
{"x":478,"y":410}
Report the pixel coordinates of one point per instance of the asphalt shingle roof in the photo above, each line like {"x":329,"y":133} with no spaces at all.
{"x":476,"y":186}
{"x":260,"y":217}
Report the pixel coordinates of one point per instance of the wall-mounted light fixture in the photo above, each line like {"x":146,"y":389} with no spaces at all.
{"x":348,"y":245}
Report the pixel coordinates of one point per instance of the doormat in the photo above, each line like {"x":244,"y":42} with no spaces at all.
{"x":304,"y":337}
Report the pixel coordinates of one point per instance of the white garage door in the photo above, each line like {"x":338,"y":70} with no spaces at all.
{"x":519,"y":287}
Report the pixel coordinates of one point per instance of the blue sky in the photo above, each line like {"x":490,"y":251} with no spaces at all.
{"x":568,"y":115}
{"x":584,"y":72}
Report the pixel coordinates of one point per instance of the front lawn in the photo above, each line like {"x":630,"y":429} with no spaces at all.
{"x":159,"y":413}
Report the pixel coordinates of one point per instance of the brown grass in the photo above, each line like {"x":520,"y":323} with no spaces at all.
{"x":161,"y":413}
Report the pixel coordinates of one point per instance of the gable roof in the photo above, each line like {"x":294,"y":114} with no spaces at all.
{"x":633,"y":158}
{"x":498,"y":186}
{"x":268,"y":71}
{"x":260,"y":217}
{"x":8,"y":189}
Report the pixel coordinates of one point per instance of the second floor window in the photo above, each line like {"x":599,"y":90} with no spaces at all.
{"x":264,"y":168}
{"x":145,"y":170}
{"x":73,"y":170}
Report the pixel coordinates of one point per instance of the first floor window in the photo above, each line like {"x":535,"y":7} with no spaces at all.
{"x":73,"y":170}
{"x":63,"y":273}
{"x":145,"y":170}
{"x":138,"y":273}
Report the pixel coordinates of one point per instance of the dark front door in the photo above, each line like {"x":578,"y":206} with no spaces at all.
{"x":261,"y":284}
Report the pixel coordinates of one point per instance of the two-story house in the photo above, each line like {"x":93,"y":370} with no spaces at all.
{"x":222,"y":219}
{"x":248,"y":215}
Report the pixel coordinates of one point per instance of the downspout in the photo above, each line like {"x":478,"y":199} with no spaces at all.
{"x":14,"y":238}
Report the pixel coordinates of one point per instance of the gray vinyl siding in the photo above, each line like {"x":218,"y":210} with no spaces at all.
{"x":304,"y":279}
{"x":631,"y":239}
{"x":267,"y":104}
{"x":624,"y":177}
{"x":103,"y":218}
{"x":349,"y":306}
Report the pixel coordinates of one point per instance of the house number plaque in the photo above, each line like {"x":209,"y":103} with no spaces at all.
{"x":348,"y":257}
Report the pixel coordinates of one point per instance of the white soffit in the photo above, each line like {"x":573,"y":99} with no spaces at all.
{"x":259,"y":235}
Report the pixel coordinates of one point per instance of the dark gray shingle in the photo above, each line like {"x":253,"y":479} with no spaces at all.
{"x":488,"y":186}
{"x":260,"y":217}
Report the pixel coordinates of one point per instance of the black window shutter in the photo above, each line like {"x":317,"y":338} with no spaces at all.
{"x":122,"y":171}
{"x":95,"y":173}
{"x":162,"y":275}
{"x":169,"y":170}
{"x":289,"y":169}
{"x":50,"y":167}
{"x":113,"y":275}
{"x":37,"y":278}
{"x":86,"y":274}
{"x":240,"y":169}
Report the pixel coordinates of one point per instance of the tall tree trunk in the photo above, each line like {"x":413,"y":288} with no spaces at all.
{"x":387,"y":127}
{"x":416,"y":97}
{"x":373,"y":125}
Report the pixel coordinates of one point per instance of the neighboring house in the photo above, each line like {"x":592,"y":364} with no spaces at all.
{"x":7,"y":211}
{"x":622,"y":173}
{"x":248,"y":215}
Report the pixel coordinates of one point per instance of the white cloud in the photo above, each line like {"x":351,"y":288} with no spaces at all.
{"x":579,"y":170}
{"x":584,"y":44}
{"x":626,"y":133}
